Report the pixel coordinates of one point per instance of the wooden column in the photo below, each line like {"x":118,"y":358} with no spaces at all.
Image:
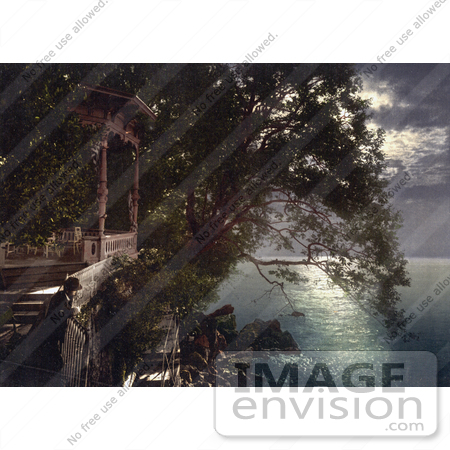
{"x":135,"y":192}
{"x":2,"y":255}
{"x":102,"y":192}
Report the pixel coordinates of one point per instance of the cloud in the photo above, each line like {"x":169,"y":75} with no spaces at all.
{"x":411,"y":102}
{"x":410,"y":95}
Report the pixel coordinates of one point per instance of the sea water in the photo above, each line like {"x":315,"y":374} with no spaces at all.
{"x":335,"y":321}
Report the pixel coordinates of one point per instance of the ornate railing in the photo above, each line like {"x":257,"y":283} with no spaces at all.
{"x":92,"y":248}
{"x":97,"y":247}
{"x":75,"y":355}
{"x":68,"y":234}
{"x":120,"y":244}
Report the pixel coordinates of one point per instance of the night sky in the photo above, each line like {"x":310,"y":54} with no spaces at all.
{"x":411,"y":102}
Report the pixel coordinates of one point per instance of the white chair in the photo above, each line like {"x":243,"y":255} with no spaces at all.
{"x":77,"y":240}
{"x":52,"y":246}
{"x":10,"y":248}
{"x":31,"y":248}
{"x":5,"y":250}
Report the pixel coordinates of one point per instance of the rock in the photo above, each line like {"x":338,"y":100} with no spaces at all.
{"x":267,"y":343}
{"x":225,"y":310}
{"x":208,"y":327}
{"x":187,"y":348}
{"x":287,"y":342}
{"x":227,"y":327}
{"x":217,"y":333}
{"x":274,"y":325}
{"x":260,"y":335}
{"x":227,"y":322}
{"x":245,"y":338}
{"x":202,"y":341}
{"x":297,"y":314}
{"x":217,"y":342}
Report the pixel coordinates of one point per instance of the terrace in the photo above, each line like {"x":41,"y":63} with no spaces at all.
{"x":91,"y":247}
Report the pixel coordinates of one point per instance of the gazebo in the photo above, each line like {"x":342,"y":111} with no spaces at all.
{"x":114,"y":112}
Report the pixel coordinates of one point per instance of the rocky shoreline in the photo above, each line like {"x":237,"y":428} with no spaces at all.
{"x":215,"y":333}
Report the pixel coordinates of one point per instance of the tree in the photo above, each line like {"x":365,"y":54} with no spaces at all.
{"x":327,"y":202}
{"x":40,"y":143}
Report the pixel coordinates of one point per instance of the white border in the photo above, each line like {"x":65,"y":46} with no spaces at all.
{"x":198,"y":31}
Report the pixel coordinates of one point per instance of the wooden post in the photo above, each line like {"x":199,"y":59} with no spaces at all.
{"x":2,"y":255}
{"x":135,"y":194}
{"x":102,"y":193}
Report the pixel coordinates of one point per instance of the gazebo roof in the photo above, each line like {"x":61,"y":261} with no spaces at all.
{"x":112,"y":97}
{"x":115,"y":109}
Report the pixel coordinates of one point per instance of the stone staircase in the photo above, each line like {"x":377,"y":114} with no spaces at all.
{"x":30,"y":308}
{"x":26,"y":308}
